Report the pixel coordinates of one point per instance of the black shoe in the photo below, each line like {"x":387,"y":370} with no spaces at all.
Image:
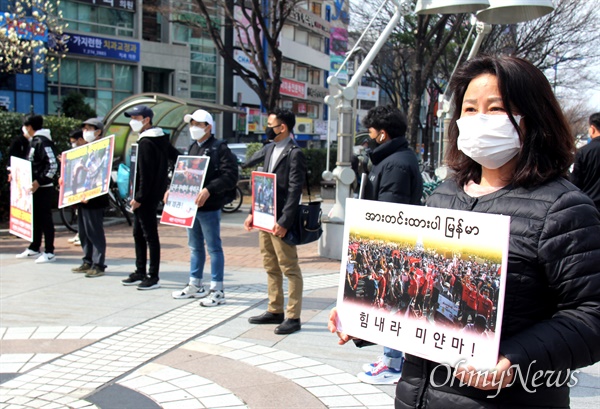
{"x":149,"y":283}
{"x":134,"y":279}
{"x":288,"y":326}
{"x":267,"y":318}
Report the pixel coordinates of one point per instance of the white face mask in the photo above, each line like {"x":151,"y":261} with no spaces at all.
{"x":197,"y":133}
{"x":490,"y":140}
{"x":25,"y":132}
{"x":89,"y":136}
{"x":136,"y":125}
{"x":73,"y":144}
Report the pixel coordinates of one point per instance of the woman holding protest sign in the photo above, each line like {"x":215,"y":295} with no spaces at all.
{"x":510,"y":148}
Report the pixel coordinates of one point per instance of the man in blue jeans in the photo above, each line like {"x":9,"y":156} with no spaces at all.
{"x":221,"y":177}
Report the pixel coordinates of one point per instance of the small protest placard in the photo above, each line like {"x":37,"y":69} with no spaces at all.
{"x":188,"y":179}
{"x":264,"y":200}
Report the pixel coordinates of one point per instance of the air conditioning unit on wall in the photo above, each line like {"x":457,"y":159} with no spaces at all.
{"x":303,"y":126}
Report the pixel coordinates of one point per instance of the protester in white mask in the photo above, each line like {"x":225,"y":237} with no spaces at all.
{"x":90,"y":222}
{"x":510,"y":148}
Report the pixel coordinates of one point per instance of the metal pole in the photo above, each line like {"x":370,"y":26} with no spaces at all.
{"x":330,"y":244}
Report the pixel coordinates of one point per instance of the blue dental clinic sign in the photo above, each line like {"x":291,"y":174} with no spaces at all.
{"x":103,"y":47}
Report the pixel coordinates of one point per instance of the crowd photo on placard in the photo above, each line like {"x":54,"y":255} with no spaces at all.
{"x":423,"y":283}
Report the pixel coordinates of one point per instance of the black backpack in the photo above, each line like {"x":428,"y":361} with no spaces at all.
{"x":215,"y":161}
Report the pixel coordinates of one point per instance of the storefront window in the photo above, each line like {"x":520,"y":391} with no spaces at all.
{"x":288,"y":70}
{"x":100,"y":20}
{"x":94,"y":80}
{"x":312,"y":111}
{"x":302,"y":74}
{"x":315,"y":77}
{"x":301,"y":37}
{"x":316,"y":43}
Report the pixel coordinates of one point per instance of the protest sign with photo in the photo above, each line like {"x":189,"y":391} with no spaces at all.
{"x":264,"y":201}
{"x":86,"y":171}
{"x":188,"y":180}
{"x":21,"y":199}
{"x":426,"y":281}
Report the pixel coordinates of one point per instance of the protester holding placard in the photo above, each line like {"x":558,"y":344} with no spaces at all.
{"x":284,"y":158}
{"x":90,"y":219}
{"x":44,"y":168}
{"x":221,"y":176}
{"x":510,"y":150}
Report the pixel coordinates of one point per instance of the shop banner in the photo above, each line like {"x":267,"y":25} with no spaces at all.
{"x":21,"y":199}
{"x":264,"y":200}
{"x":426,"y":281}
{"x":86,"y":171}
{"x":188,"y":179}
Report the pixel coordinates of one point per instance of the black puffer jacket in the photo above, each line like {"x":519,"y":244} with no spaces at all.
{"x":395,"y":175}
{"x":551,"y":318}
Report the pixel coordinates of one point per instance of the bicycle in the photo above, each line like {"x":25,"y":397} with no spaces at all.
{"x":116,"y":206}
{"x":236,"y":203}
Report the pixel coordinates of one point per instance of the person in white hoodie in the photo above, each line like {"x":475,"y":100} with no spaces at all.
{"x":151,"y":180}
{"x":44,"y":167}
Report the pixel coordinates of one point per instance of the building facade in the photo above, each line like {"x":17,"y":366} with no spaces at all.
{"x":119,"y":48}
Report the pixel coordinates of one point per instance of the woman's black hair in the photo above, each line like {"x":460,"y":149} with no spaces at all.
{"x":547,"y":147}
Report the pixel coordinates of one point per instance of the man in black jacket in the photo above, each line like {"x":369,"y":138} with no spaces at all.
{"x":221,"y":176}
{"x":150,"y":185}
{"x":44,"y":167}
{"x":394,"y":178}
{"x":284,"y":158}
{"x":586,"y":169}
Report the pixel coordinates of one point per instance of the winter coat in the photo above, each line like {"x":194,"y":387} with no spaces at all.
{"x":222,"y":173}
{"x":586,"y":170}
{"x":551,"y":319}
{"x":151,"y":178}
{"x":44,"y":165}
{"x":395,"y":176}
{"x":291,"y":174}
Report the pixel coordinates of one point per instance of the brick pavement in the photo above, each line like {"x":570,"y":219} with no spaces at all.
{"x":240,"y":247}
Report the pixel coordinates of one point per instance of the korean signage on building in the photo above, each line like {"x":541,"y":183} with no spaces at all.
{"x":292,"y":88}
{"x":104,"y":47}
{"x":316,"y":93}
{"x":128,"y":5}
{"x":310,"y":21}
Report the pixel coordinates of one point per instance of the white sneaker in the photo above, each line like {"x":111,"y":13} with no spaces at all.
{"x":190,"y":291}
{"x":380,"y":375}
{"x":372,"y":365}
{"x":74,"y":238}
{"x":215,"y":298}
{"x":28,"y":253}
{"x":77,"y":242}
{"x":46,"y":258}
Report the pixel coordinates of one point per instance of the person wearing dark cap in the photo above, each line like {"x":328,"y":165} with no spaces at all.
{"x":150,"y":185}
{"x":90,"y":222}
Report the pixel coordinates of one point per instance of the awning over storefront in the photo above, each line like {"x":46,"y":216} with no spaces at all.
{"x":168,"y":115}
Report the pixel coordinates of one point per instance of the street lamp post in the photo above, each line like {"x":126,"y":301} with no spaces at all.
{"x":341,"y":98}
